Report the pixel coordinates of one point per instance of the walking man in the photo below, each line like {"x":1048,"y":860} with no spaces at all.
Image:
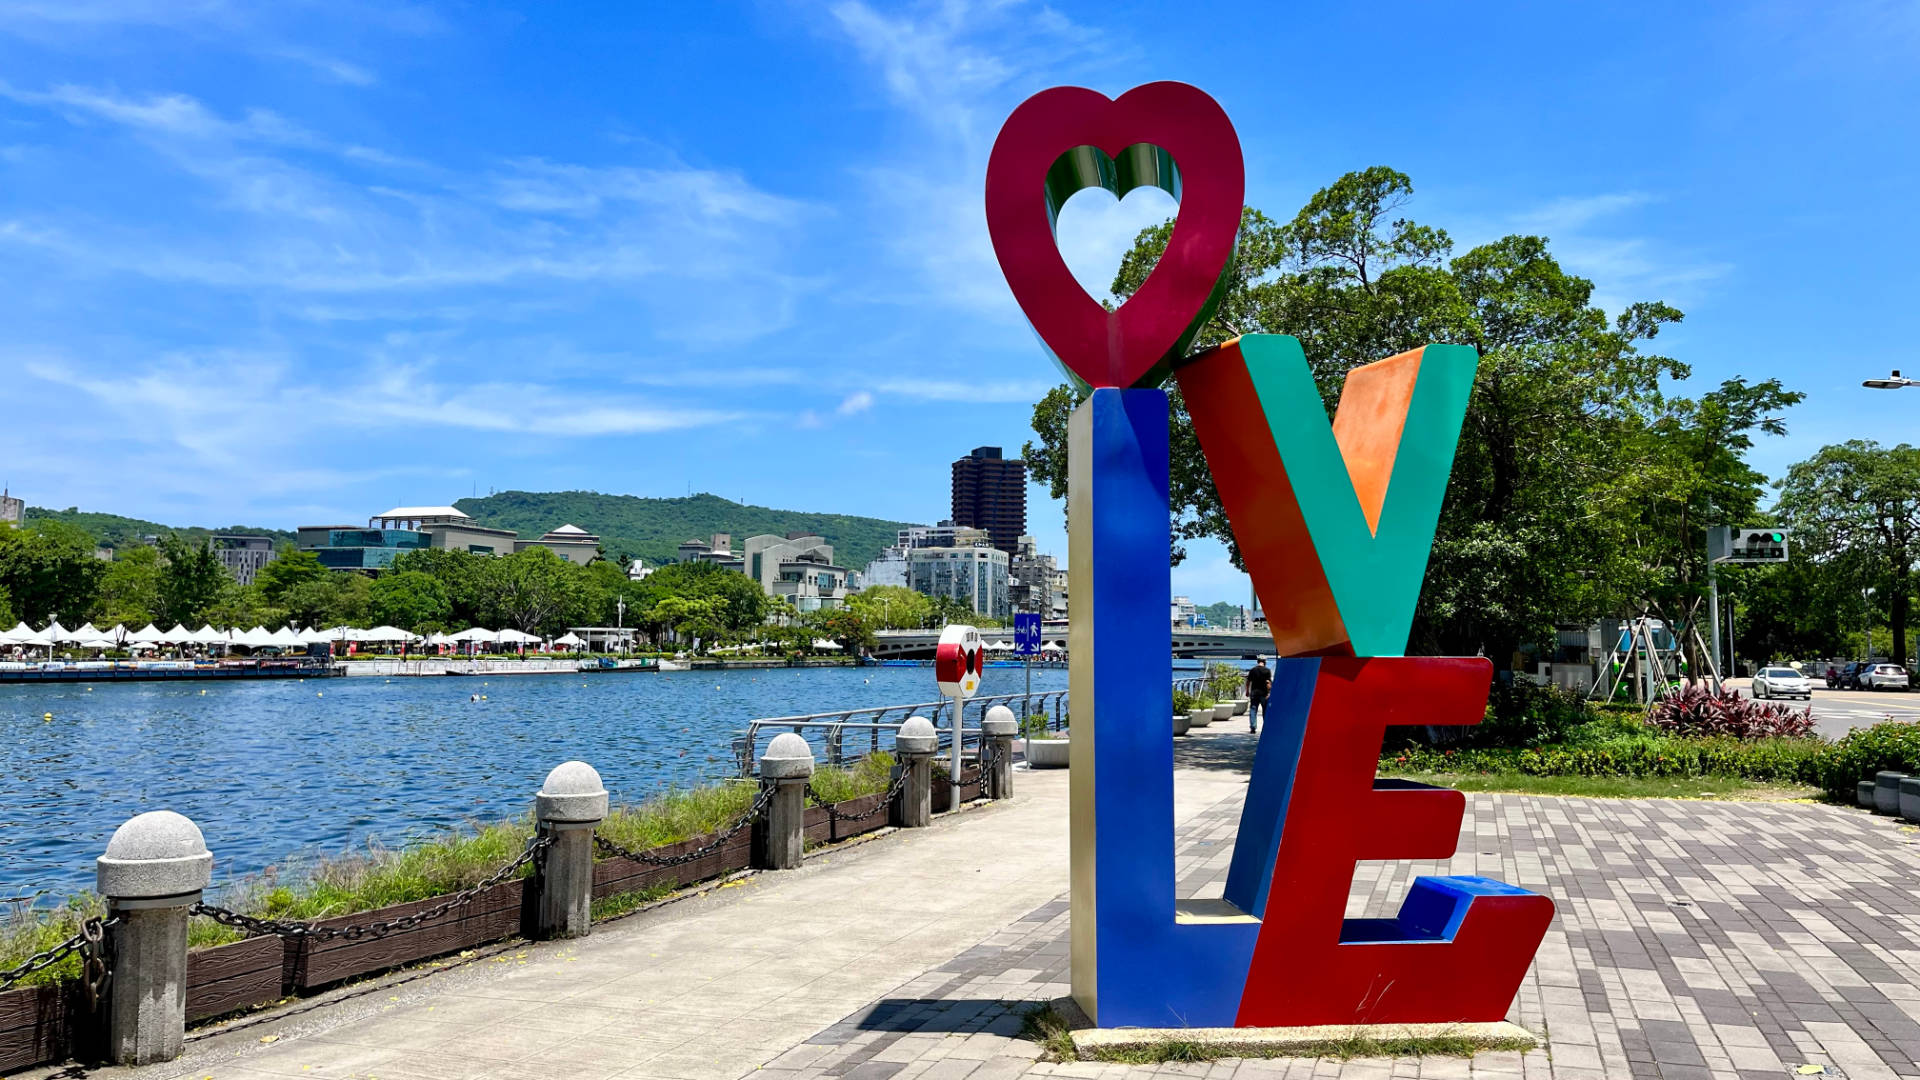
{"x":1259,"y":683}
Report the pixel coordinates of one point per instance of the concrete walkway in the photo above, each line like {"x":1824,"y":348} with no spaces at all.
{"x":705,"y":989}
{"x":1693,"y":940}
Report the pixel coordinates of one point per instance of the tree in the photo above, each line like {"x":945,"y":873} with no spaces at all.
{"x":49,"y":570}
{"x":942,"y":610}
{"x":1855,"y":509}
{"x":532,"y":590}
{"x":842,"y":626}
{"x":695,"y":619}
{"x":289,"y":568}
{"x":1543,"y":519}
{"x":129,"y":588}
{"x":193,"y":581}
{"x":891,"y":607}
{"x":411,"y":600}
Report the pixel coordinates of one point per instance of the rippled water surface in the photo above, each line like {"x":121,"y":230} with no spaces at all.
{"x":272,"y":769}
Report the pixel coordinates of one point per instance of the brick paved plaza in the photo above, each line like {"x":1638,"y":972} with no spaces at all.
{"x":1694,"y":939}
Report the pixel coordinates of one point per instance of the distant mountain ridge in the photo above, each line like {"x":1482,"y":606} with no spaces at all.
{"x":654,"y":529}
{"x":115,"y":531}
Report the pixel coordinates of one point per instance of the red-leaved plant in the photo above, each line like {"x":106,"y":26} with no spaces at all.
{"x":1697,"y":710}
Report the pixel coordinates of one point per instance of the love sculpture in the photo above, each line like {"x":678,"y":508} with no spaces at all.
{"x":1334,"y":521}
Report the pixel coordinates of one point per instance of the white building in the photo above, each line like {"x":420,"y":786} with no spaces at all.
{"x":12,"y":511}
{"x":1184,"y":611}
{"x":974,"y":575}
{"x":889,"y":569}
{"x":799,"y":567}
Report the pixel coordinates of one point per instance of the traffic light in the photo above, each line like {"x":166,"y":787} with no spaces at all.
{"x":1751,"y":546}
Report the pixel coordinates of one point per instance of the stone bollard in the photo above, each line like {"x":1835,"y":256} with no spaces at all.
{"x":997,"y":729}
{"x":566,"y":809}
{"x":154,"y":869}
{"x":1910,"y":799}
{"x":1886,"y":792}
{"x":915,"y":744}
{"x":781,"y":831}
{"x":1863,"y":794}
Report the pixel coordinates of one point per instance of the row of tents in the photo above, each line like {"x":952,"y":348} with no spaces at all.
{"x":151,"y":637}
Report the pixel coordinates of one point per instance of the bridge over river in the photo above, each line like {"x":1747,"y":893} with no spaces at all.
{"x":1187,"y":642}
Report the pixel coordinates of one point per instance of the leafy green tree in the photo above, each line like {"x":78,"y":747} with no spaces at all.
{"x":49,"y":570}
{"x":193,"y":581}
{"x":943,"y":610}
{"x":7,"y":616}
{"x":129,"y":589}
{"x":744,"y":603}
{"x":239,"y":607}
{"x":891,"y":607}
{"x":412,"y":600}
{"x":313,"y":603}
{"x":844,"y":627}
{"x":1542,"y":520}
{"x":693,"y":618}
{"x":1854,"y":509}
{"x":532,"y":590}
{"x":291,"y":567}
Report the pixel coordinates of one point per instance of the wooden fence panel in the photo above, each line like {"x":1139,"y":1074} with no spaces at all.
{"x":36,"y":1025}
{"x":237,"y":976}
{"x":494,"y":915}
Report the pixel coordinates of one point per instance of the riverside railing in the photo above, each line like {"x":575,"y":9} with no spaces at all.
{"x":847,"y":735}
{"x":139,"y":984}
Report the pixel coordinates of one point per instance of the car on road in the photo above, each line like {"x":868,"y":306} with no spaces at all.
{"x":1881,"y":677}
{"x":1781,"y":682}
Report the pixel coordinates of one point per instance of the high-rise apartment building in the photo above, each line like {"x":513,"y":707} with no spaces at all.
{"x":990,"y":492}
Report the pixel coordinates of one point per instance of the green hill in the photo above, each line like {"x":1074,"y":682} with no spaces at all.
{"x":115,"y":531}
{"x":653,"y":529}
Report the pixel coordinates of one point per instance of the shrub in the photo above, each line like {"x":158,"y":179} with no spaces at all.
{"x":1776,"y":760}
{"x":1891,"y":746}
{"x":1521,"y":712}
{"x":1184,"y":702}
{"x":1034,"y":727}
{"x":1224,"y":681}
{"x":1697,"y":710}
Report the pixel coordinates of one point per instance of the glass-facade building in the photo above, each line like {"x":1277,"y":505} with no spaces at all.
{"x":346,"y":547}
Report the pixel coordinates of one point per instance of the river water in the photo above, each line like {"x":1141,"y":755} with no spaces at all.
{"x":271,"y":770}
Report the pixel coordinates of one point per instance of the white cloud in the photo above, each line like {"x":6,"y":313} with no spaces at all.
{"x":857,"y":402}
{"x":986,"y":391}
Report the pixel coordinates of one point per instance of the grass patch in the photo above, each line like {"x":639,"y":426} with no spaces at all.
{"x":25,"y":931}
{"x":1357,"y":1046}
{"x":1614,"y":787}
{"x":1043,"y":1024}
{"x":870,"y":776}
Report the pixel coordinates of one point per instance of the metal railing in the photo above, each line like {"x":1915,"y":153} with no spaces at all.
{"x":829,"y":732}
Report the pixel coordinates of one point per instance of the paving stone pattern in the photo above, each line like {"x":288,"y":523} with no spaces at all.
{"x":1693,"y":940}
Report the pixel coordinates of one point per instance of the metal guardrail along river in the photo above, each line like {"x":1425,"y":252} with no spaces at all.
{"x":828,"y":732}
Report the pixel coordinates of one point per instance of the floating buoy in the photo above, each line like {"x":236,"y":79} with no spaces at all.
{"x":483,"y":697}
{"x":89,"y":689}
{"x":48,"y":718}
{"x":319,"y":693}
{"x":203,"y":693}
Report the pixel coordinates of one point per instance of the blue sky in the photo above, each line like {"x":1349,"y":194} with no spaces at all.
{"x":290,"y":263}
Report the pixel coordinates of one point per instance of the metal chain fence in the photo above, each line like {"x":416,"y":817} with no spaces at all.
{"x":607,"y":847}
{"x":281,"y":928}
{"x":88,"y":942}
{"x":886,"y":803}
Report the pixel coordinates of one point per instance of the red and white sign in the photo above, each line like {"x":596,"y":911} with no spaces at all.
{"x":958,"y":661}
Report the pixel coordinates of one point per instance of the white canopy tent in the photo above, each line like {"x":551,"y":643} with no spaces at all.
{"x":85,"y":633}
{"x":96,"y":643}
{"x":569,"y":638}
{"x":287,"y":639}
{"x":516,"y":637}
{"x":385,"y":633}
{"x":179,"y":635}
{"x":53,"y":634}
{"x":256,"y":638}
{"x":148,"y":634}
{"x":479,"y":634}
{"x":206,"y":635}
{"x":19,"y":635}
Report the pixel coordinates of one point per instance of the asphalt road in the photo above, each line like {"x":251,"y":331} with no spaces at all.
{"x":1836,"y":712}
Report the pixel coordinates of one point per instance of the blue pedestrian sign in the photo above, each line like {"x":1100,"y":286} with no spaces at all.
{"x":1026,"y":633}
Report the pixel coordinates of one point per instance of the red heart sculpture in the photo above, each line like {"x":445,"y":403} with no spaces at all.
{"x":1059,"y":141}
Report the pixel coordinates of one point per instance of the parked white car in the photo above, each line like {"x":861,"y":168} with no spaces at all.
{"x":1884,"y":677}
{"x":1774,"y":682}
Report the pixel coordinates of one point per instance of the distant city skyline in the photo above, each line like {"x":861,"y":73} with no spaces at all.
{"x":273,"y":264}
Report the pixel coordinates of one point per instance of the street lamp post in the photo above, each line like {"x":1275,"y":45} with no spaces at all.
{"x":1866,"y":617}
{"x":1892,"y":382}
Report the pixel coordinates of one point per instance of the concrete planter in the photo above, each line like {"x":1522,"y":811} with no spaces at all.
{"x":1180,"y":723}
{"x":1200,"y":718}
{"x":1240,"y":705}
{"x":1223,"y":711}
{"x":1864,"y":794}
{"x":1886,"y":792}
{"x":1910,"y":798}
{"x":1047,"y":753}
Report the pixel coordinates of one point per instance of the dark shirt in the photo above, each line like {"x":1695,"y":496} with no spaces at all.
{"x":1259,"y":679}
